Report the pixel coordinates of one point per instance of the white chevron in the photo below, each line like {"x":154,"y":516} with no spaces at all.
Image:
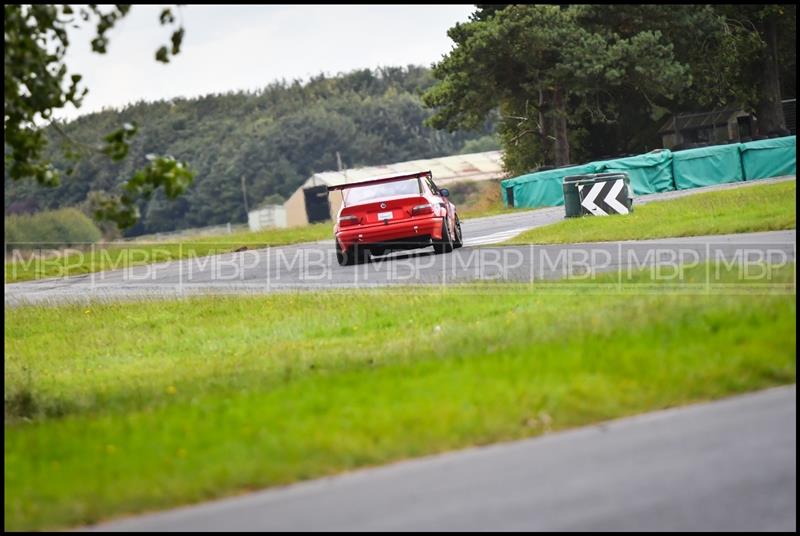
{"x":588,"y":201}
{"x":611,"y":198}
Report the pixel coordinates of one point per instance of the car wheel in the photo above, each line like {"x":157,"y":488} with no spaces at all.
{"x":360,"y":255}
{"x":354,"y":255}
{"x":445,"y":245}
{"x":342,"y":257}
{"x":459,"y":242}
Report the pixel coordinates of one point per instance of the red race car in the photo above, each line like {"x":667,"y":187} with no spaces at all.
{"x":392,"y":213}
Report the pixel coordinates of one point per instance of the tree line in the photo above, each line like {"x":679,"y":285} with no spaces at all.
{"x":272,"y":139}
{"x":576,"y":82}
{"x":551,"y":84}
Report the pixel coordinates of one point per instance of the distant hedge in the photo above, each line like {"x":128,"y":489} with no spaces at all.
{"x":50,"y":229}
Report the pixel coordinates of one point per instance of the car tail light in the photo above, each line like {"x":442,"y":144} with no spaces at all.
{"x":349,"y":220}
{"x":427,"y":208}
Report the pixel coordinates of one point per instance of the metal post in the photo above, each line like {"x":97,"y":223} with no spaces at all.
{"x":244,"y":195}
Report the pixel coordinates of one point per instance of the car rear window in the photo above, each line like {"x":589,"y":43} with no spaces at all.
{"x":361,"y":194}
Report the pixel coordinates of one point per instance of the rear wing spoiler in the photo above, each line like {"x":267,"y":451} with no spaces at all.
{"x":380,"y":180}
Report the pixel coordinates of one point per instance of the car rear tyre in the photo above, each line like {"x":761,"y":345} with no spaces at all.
{"x":445,"y":245}
{"x":459,"y":242}
{"x":360,"y":254}
{"x":354,"y":255}
{"x":344,"y":258}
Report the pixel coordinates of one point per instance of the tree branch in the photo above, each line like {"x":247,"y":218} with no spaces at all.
{"x":73,"y":141}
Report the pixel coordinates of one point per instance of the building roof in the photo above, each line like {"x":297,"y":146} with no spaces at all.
{"x":460,"y":167}
{"x":693,"y":121}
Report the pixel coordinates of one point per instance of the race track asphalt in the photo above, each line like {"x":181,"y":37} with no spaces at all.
{"x":312,"y":266}
{"x":729,"y":465}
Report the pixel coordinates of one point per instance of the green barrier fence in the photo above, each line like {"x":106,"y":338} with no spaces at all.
{"x":664,"y":170}
{"x":649,"y":173}
{"x":541,"y":189}
{"x":769,"y":158}
{"x":706,"y":166}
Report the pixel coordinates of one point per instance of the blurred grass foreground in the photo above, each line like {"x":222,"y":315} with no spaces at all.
{"x":126,"y":407}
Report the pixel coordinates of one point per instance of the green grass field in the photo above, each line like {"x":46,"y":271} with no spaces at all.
{"x":126,"y":407}
{"x":763,"y":207}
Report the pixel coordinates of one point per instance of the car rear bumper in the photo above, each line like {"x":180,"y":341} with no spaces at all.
{"x":414,"y":231}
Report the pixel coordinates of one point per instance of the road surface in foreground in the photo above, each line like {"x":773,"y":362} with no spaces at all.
{"x":719,"y":466}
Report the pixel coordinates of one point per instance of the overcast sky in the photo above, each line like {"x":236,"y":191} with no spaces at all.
{"x":246,"y":47}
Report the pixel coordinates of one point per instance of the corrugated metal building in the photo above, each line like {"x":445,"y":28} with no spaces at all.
{"x":266,"y":217}
{"x":311,"y":204}
{"x":717,"y":126}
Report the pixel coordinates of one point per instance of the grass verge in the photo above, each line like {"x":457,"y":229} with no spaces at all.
{"x":120,"y":408}
{"x":766,"y":207}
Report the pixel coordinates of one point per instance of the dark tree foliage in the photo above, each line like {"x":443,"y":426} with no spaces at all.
{"x":576,"y":82}
{"x":545,"y":68}
{"x":765,"y":47}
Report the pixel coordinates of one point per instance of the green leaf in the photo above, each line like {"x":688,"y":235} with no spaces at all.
{"x":166,"y":16}
{"x":162,"y":55}
{"x":177,"y":39}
